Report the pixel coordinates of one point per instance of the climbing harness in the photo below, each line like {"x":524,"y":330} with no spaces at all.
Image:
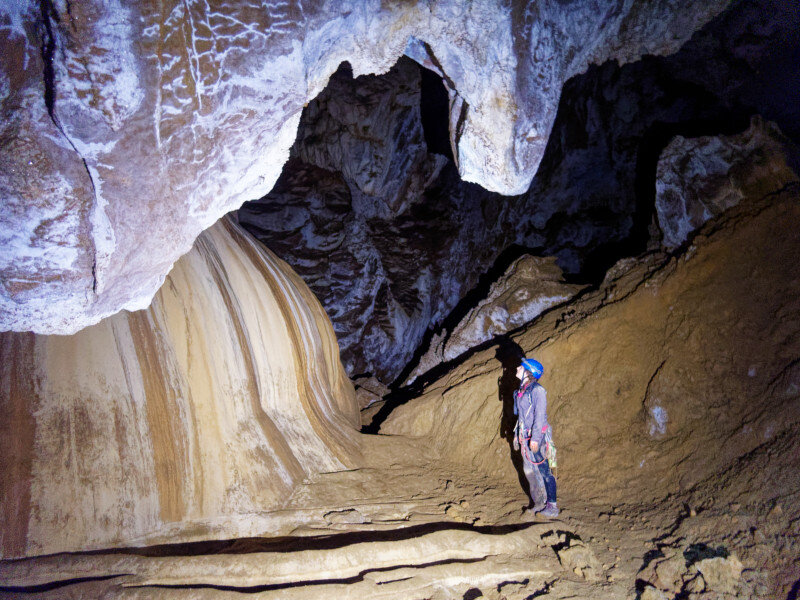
{"x":548,"y":451}
{"x":524,"y":438}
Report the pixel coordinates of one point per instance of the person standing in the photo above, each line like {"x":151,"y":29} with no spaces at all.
{"x":530,"y":405}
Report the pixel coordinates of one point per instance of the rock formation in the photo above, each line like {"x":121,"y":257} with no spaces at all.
{"x":128,"y":128}
{"x":206,"y":445}
{"x":529,"y":287}
{"x":667,"y":358}
{"x":699,"y":178}
{"x":186,"y":420}
{"x":674,"y":388}
{"x":390,"y":267}
{"x":703,"y":503}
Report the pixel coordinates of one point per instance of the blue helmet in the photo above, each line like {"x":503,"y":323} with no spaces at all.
{"x":534,"y":367}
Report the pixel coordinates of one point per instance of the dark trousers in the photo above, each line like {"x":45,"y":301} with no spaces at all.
{"x":547,"y":476}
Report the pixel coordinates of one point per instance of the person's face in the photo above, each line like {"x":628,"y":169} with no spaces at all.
{"x":520,"y":372}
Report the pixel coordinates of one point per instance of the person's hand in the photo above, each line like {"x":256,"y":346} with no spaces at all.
{"x":534,"y":446}
{"x":516,"y":444}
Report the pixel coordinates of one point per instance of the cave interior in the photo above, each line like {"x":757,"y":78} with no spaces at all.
{"x":317,"y":398}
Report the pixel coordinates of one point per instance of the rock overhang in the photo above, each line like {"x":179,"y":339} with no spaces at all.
{"x":132,"y":128}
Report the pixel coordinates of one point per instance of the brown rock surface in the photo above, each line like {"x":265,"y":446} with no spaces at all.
{"x":673,"y":389}
{"x":128,"y":128}
{"x":182,"y":421}
{"x":653,"y":367}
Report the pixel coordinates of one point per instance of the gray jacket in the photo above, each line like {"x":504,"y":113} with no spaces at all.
{"x":531,"y":407}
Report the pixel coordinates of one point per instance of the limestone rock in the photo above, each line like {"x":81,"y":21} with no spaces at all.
{"x":391,"y":252}
{"x":362,"y":253}
{"x":670,"y":571}
{"x":423,"y":565}
{"x":721,"y":574}
{"x":369,"y":391}
{"x":699,"y":178}
{"x":580,"y":559}
{"x":183,"y":421}
{"x":651,"y":593}
{"x":529,"y":286}
{"x":128,"y":128}
{"x":369,"y":130}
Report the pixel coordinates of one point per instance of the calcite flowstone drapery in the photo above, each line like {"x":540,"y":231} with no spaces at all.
{"x":181,"y":421}
{"x":129,"y":127}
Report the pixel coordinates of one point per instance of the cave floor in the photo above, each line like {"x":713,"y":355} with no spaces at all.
{"x":428,"y":530}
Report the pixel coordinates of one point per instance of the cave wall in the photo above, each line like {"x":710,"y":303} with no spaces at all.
{"x":376,"y":219}
{"x":678,"y":370}
{"x":182,"y":421}
{"x":128,"y":128}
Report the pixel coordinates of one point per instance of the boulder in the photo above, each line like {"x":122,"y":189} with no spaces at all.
{"x":530,"y":286}
{"x":699,"y":178}
{"x":579,"y":558}
{"x":721,"y":574}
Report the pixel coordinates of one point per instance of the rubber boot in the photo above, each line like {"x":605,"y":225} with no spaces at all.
{"x":549,"y":511}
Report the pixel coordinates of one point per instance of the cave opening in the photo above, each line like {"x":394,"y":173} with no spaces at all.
{"x":435,"y":113}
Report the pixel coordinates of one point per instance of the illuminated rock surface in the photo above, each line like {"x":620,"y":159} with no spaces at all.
{"x":699,"y":178}
{"x":674,"y":394}
{"x":529,"y":287}
{"x":206,"y":447}
{"x":181,"y":112}
{"x":182,"y":421}
{"x":709,"y":337}
{"x":392,"y":257}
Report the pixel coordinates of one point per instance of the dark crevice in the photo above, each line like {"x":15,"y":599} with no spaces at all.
{"x":432,"y":56}
{"x":288,"y":544}
{"x":48,"y":56}
{"x":472,"y":594}
{"x":49,"y":15}
{"x":434,"y":113}
{"x":569,"y":537}
{"x":313,"y":582}
{"x":544,"y":591}
{"x":54,"y":585}
{"x":652,"y":144}
{"x":794,"y":593}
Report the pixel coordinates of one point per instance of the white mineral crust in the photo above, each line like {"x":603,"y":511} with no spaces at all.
{"x":130,"y":127}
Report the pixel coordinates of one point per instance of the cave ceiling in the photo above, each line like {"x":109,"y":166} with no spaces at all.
{"x":129,"y":128}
